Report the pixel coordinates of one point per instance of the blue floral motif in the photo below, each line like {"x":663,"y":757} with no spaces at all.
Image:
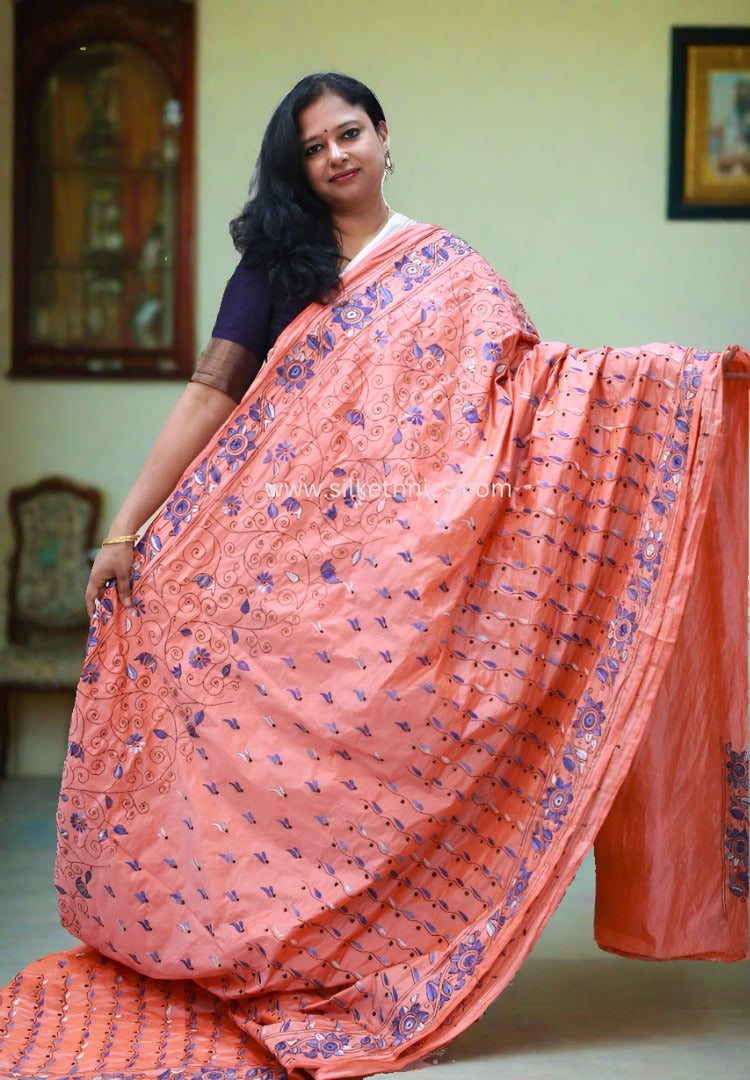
{"x":264,"y":581}
{"x":621,"y":630}
{"x":674,"y":462}
{"x":639,"y":590}
{"x":465,"y":959}
{"x":321,"y":345}
{"x":354,"y":314}
{"x":556,"y":801}
{"x":411,"y":270}
{"x":521,"y":880}
{"x":258,"y":1072}
{"x":333,"y":1043}
{"x":232,"y":505}
{"x":92,"y":640}
{"x":690,"y":381}
{"x":649,"y":551}
{"x":237,"y":445}
{"x":76,"y":750}
{"x":541,"y":838}
{"x":379,"y":339}
{"x":294,"y":506}
{"x":137,"y":606}
{"x":414,"y":415}
{"x":663,"y":501}
{"x":439,"y":991}
{"x":192,"y":724}
{"x":737,"y":857}
{"x":199,"y":658}
{"x":355,"y":417}
{"x":575,"y":757}
{"x":255,"y":411}
{"x":737,"y":769}
{"x":295,"y":370}
{"x":492,"y":351}
{"x":437,"y":252}
{"x":683,"y":418}
{"x":352,"y":496}
{"x":608,"y":669}
{"x":736,"y":834}
{"x":408,"y":1022}
{"x":78,"y":821}
{"x":459,"y":246}
{"x":106,"y":610}
{"x":737,"y":850}
{"x":588,"y":724}
{"x":181,"y":506}
{"x":326,"y":1046}
{"x":134,"y":743}
{"x":285,"y":450}
{"x":379,"y":295}
{"x":90,"y":673}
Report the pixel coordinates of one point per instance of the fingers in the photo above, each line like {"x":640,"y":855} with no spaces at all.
{"x":95,"y":591}
{"x":92,"y":595}
{"x":728,"y":356}
{"x":111,"y":568}
{"x":123,"y":589}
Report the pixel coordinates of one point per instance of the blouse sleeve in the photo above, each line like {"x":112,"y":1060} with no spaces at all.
{"x":240,"y":338}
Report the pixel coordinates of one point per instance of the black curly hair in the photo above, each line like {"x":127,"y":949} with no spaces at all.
{"x":284,"y":228}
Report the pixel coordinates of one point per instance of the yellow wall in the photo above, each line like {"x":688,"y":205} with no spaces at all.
{"x":536,"y":129}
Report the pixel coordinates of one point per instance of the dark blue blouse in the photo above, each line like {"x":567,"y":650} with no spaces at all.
{"x":246,"y":327}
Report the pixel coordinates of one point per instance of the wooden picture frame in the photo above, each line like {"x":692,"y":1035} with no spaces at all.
{"x":709,"y":163}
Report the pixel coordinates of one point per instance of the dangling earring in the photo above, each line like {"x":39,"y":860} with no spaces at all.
{"x":388,"y":162}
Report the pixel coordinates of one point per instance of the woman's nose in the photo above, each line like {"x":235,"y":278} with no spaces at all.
{"x":336,"y":152}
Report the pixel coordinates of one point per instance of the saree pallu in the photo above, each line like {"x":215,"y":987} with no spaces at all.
{"x":395,"y":640}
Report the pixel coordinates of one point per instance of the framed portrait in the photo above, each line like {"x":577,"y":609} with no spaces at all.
{"x":709,"y":164}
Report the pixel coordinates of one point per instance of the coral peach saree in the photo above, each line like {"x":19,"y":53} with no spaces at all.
{"x":396,"y":640}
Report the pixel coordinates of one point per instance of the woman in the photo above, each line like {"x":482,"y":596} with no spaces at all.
{"x":392,"y":644}
{"x":310,"y":216}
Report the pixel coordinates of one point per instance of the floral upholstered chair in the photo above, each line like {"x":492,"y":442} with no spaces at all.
{"x":54,"y":524}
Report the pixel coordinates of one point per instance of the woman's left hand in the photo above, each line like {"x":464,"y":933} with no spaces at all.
{"x":728,"y":356}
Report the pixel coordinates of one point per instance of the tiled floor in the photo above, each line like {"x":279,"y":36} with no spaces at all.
{"x":572,"y":1012}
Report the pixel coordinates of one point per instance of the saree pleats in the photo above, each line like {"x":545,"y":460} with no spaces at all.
{"x":395,"y":640}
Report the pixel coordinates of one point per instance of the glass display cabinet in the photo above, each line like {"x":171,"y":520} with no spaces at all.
{"x":103,"y":267}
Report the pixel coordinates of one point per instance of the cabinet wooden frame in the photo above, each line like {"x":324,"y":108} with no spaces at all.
{"x":45,"y":31}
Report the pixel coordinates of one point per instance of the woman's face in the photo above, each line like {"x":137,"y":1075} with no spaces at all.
{"x":343,"y":153}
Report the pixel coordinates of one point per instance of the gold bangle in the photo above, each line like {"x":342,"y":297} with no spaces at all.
{"x":121,"y":539}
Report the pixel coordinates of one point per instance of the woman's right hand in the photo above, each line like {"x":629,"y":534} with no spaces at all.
{"x":111,"y":566}
{"x":194,"y":419}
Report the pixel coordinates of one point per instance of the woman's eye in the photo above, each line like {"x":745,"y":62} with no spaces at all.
{"x":350,"y":133}
{"x":312,"y":149}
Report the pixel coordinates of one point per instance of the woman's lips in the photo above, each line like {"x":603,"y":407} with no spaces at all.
{"x":341,"y":177}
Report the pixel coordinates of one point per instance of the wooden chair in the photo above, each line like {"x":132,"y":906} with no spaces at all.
{"x":54,"y":523}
